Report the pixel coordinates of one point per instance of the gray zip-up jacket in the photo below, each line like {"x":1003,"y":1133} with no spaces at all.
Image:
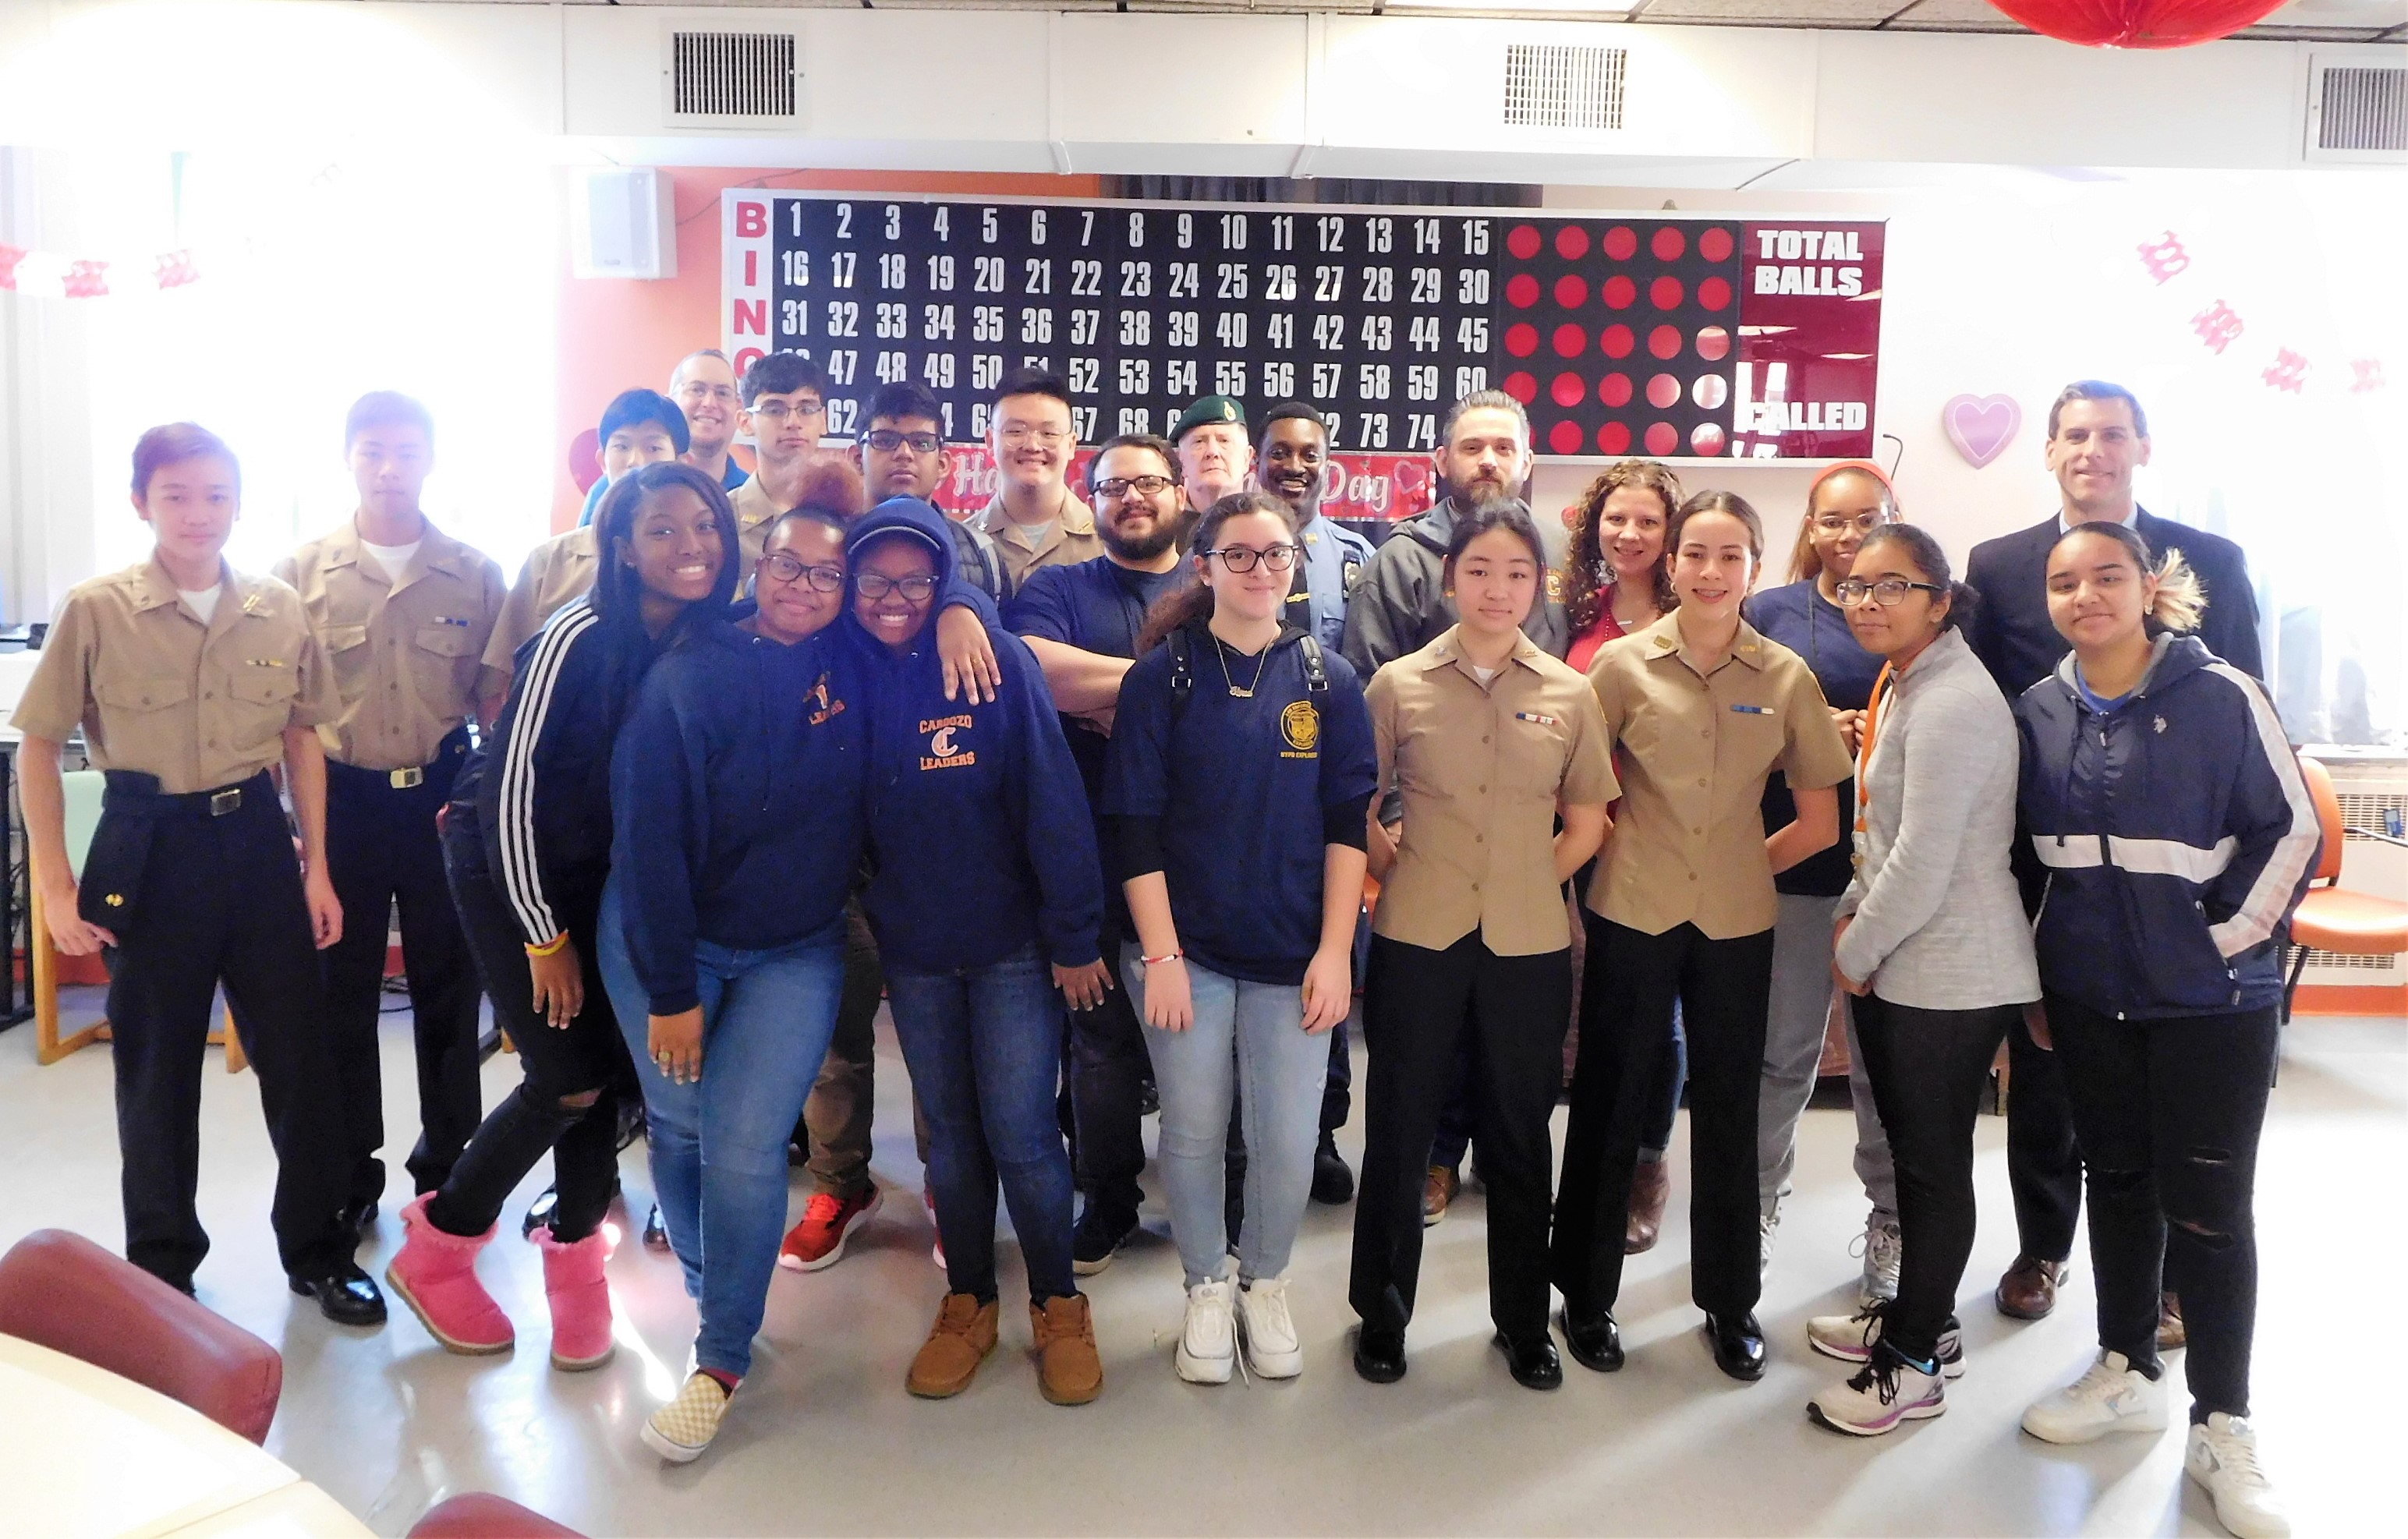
{"x":1938,"y":921}
{"x":1403,"y":606}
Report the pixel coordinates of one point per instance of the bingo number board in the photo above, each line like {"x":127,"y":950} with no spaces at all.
{"x":1677,"y":338}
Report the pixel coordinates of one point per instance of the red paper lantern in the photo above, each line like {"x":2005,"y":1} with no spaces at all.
{"x":2138,"y":23}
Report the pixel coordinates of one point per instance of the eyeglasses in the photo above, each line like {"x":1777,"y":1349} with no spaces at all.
{"x":778,"y":411}
{"x":1885,"y":592}
{"x":1863,"y":525}
{"x":914,"y":590}
{"x":887,"y":440}
{"x":1145,"y":486}
{"x":1017,"y":434}
{"x":700,"y":390}
{"x":782,"y":567}
{"x":1237,"y":558}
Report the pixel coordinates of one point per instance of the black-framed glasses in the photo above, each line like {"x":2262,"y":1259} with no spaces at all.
{"x":914,"y":590}
{"x":785,"y":568}
{"x":1239,"y":558}
{"x":1887,"y":592}
{"x":1145,"y":486}
{"x":778,"y":411}
{"x":887,"y":440}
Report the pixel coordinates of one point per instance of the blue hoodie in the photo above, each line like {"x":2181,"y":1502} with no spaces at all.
{"x":2177,"y":835}
{"x":978,"y":821}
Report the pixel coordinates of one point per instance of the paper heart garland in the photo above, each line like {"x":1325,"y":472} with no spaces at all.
{"x":1981,"y":426}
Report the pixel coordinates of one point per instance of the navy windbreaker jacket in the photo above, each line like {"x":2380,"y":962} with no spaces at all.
{"x":978,"y":821}
{"x":2176,"y":832}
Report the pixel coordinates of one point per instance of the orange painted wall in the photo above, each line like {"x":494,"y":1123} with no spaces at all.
{"x":617,"y":333}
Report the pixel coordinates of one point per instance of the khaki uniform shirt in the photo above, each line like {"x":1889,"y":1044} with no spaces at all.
{"x":156,"y":691}
{"x":1068,"y":540}
{"x":1694,"y":753}
{"x":559,"y":569}
{"x":1481,"y":768}
{"x":406,"y":654}
{"x":754,"y":514}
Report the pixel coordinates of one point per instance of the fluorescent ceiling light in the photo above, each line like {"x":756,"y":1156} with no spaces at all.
{"x":1550,"y":8}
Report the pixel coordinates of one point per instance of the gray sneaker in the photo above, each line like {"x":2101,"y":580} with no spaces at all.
{"x":1883,"y":1252}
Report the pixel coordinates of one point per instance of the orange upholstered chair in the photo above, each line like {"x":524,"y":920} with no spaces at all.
{"x":481,"y":1515}
{"x":2334,"y":917}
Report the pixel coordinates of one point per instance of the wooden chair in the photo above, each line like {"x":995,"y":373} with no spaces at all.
{"x":81,"y":791}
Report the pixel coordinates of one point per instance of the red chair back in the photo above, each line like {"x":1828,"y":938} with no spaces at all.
{"x":481,"y":1514}
{"x":66,"y":1293}
{"x":2320,"y":787}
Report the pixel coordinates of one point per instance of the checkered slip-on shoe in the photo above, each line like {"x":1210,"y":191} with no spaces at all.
{"x":681,"y":1430}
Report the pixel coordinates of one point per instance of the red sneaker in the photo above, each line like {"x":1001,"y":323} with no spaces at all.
{"x":817,"y":1239}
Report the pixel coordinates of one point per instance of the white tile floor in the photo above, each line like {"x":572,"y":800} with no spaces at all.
{"x":824,"y":1441}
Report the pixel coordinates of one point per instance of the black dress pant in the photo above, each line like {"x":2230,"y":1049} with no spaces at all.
{"x":1108,"y":1073}
{"x":557,"y":1063}
{"x":220,"y":902}
{"x":1927,"y":1069}
{"x":2043,"y":1165}
{"x":381,"y":847}
{"x":1628,"y":986}
{"x":2169,"y":1113}
{"x":1419,"y":1004}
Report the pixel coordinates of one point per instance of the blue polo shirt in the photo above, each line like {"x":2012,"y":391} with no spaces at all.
{"x":1097,"y":606}
{"x":1800,"y":618}
{"x":1244,"y":786}
{"x":737,"y":476}
{"x":1334,"y":559}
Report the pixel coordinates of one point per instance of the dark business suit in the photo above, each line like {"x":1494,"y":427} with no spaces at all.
{"x":2016,"y":641}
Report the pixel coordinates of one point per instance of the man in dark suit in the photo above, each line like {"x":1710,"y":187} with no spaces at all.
{"x":2098,"y":438}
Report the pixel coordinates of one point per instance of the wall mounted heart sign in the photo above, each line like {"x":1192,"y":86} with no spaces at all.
{"x":1981,"y":426}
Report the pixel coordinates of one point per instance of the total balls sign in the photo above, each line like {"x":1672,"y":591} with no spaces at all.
{"x":1678,"y":337}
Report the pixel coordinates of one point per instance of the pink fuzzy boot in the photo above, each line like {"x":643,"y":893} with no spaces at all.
{"x":436,"y":1274}
{"x":579,"y":1296}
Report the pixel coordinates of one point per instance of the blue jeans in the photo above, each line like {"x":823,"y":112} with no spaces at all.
{"x":984,"y":1049}
{"x":719,"y":1145}
{"x":1257,"y":1031}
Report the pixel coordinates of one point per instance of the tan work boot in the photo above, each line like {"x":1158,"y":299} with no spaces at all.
{"x":1069,"y":1370}
{"x":964,"y":1334}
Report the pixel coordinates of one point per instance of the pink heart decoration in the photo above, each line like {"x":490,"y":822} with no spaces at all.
{"x":1981,"y":426}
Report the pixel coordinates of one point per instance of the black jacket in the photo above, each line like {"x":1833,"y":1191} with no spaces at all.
{"x":1403,"y":606}
{"x":2012,"y":632}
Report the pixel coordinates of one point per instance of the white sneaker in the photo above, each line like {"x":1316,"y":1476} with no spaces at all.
{"x":2111,"y":1396}
{"x":1767,"y":1226}
{"x":1850,"y":1338}
{"x":681,"y":1430}
{"x":2223,"y":1457}
{"x":1273,"y":1350}
{"x":1885,"y":1391}
{"x":1208,"y":1341}
{"x":1883,"y":1249}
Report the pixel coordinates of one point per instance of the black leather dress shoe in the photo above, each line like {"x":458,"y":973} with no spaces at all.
{"x":657,"y":1233}
{"x":1380,"y":1355}
{"x":1596,"y":1342}
{"x":345,"y":1294}
{"x":1532,"y":1360}
{"x":1333,"y":1183}
{"x":1738,"y":1344}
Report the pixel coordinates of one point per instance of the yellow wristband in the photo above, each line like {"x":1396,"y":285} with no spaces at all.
{"x":550,"y":948}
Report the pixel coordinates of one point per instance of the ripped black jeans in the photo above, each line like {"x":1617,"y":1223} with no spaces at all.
{"x":2168,"y":1114}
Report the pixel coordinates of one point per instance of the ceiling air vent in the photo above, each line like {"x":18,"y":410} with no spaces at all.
{"x":2357,"y":113}
{"x":1553,"y":85}
{"x":731,"y":75}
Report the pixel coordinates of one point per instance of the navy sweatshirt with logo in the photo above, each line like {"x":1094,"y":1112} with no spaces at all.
{"x":979,"y":825}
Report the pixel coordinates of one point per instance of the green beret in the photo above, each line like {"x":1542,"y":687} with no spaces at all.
{"x":1212,"y":408}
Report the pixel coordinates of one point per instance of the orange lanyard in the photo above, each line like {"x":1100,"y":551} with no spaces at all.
{"x":1865,"y":748}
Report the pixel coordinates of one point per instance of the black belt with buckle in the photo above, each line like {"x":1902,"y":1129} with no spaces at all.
{"x":224,"y":802}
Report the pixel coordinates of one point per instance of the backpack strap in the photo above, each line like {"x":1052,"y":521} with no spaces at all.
{"x":1317,"y":668}
{"x":1182,"y":672}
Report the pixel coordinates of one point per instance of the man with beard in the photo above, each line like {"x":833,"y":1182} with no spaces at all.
{"x":1483,"y":456}
{"x":1083,"y":620}
{"x":1214,"y":454}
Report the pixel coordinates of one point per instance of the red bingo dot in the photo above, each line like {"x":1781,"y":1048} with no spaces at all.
{"x":1617,"y":341}
{"x":1571,"y":291}
{"x":1662,"y":439}
{"x":1570,"y":340}
{"x":1613,"y":438}
{"x":1567,"y":389}
{"x":1667,"y":246}
{"x":1713,"y":343}
{"x":1713,"y":294}
{"x":1564,"y":437}
{"x":1521,"y":291}
{"x":1707,"y":439}
{"x":1524,"y":241}
{"x":1665,"y":341}
{"x":1614,"y":390}
{"x":1618,"y":292}
{"x":1620,"y":243}
{"x":1522,"y":387}
{"x":1571,"y":244}
{"x":1521,"y":340}
{"x":1716,"y":244}
{"x":1665,"y":293}
{"x":1663,"y":391}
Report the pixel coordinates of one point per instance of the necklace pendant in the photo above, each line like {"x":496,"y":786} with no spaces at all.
{"x":1242,"y":694}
